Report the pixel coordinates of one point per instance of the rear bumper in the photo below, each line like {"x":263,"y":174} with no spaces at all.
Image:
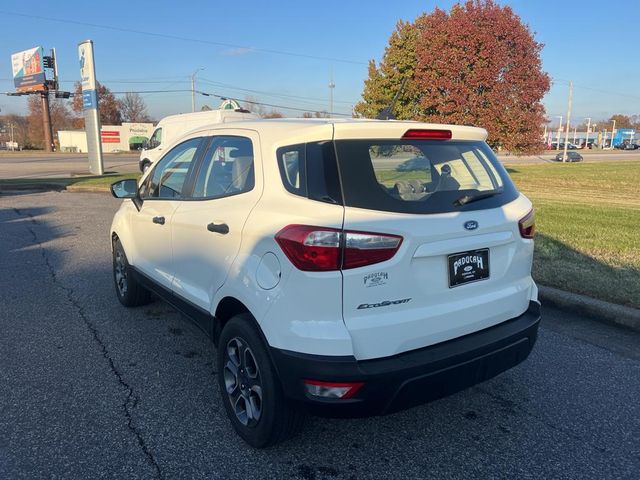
{"x":412,"y":378}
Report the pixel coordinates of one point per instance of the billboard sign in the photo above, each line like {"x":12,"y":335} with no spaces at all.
{"x":90,"y":107}
{"x":28,"y":70}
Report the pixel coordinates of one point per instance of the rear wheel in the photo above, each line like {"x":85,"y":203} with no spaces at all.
{"x":250,"y":389}
{"x":128,"y":289}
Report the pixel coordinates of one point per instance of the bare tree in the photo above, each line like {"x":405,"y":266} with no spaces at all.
{"x":133,"y":108}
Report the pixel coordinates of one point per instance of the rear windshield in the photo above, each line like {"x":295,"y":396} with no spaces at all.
{"x":422,"y":176}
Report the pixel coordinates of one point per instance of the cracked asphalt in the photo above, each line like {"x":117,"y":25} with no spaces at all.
{"x":89,"y":389}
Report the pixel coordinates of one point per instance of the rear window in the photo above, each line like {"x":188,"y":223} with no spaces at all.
{"x":421,"y":176}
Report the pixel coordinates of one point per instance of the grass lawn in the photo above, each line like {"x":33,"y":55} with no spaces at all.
{"x":587,"y":218}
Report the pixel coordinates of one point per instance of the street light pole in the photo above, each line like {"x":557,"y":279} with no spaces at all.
{"x":613,"y":132}
{"x":331,"y":87}
{"x":566,"y":136}
{"x":193,"y":89}
{"x":559,"y":130}
{"x":586,"y":142}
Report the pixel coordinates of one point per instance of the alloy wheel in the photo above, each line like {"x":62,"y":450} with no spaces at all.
{"x":120,"y":270}
{"x":242,"y":382}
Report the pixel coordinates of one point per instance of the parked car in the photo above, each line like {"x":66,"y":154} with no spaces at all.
{"x":571,"y":157}
{"x":631,"y":146}
{"x":330,"y":281}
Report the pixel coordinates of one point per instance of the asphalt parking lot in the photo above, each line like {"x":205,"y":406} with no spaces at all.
{"x":89,"y":389}
{"x":27,"y":165}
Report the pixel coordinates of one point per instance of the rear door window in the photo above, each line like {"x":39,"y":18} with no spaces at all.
{"x":421,"y":176}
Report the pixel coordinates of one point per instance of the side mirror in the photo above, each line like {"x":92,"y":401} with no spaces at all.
{"x":127,"y":188}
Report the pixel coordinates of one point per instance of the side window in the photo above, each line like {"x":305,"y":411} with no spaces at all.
{"x":156,"y":138}
{"x":291,"y":162}
{"x":310,"y":170}
{"x":169,"y":175}
{"x":227,"y":168}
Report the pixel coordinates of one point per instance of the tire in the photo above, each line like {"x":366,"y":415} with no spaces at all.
{"x":128,"y":289}
{"x":259,"y":412}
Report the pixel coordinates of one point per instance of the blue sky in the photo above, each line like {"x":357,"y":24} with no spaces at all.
{"x":595,"y":44}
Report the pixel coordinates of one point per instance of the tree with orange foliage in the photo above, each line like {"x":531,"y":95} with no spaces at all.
{"x":477,"y":64}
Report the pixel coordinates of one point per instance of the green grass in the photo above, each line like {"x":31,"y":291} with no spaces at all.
{"x":587,"y":221}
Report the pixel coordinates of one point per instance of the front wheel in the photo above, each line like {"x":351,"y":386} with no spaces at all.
{"x":250,"y":389}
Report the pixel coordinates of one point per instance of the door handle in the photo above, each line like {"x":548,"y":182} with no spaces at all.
{"x":158,"y":220}
{"x":222,"y":228}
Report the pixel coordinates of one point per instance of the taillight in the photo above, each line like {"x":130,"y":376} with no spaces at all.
{"x":363,"y":248}
{"x":527,"y":225}
{"x":318,"y":249}
{"x":428,"y":134}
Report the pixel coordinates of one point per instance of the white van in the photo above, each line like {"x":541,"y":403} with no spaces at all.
{"x":171,"y":127}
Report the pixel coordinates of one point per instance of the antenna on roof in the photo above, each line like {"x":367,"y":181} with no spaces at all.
{"x":387,"y":113}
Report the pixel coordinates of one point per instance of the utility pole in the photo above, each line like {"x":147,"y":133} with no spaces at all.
{"x":11,"y":126}
{"x":586,"y":142}
{"x":193,"y":89}
{"x":46,"y":121}
{"x":566,"y":136}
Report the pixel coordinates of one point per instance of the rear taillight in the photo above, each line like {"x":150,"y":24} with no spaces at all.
{"x":527,"y":225}
{"x":319,"y":249}
{"x":428,"y":134}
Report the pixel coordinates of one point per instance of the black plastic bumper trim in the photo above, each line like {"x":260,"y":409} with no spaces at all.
{"x":411,"y":378}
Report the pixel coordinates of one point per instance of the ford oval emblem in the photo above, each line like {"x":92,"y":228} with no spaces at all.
{"x":471,"y":225}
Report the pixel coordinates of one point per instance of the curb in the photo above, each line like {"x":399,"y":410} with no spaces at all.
{"x":86,"y":189}
{"x":610,"y":312}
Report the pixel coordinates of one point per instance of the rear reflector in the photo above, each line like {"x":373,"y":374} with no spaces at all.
{"x":341,"y":390}
{"x":527,"y":225}
{"x":428,"y":134}
{"x":321,"y":249}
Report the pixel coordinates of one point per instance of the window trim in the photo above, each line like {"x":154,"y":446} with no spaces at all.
{"x":209,"y":143}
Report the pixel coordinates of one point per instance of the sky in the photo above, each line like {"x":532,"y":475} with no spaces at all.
{"x":285,"y":53}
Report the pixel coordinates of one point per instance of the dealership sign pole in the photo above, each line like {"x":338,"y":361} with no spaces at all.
{"x":90,"y":107}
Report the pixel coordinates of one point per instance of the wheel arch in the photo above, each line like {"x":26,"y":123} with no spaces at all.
{"x":227,"y":308}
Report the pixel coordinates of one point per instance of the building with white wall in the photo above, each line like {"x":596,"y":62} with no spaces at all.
{"x":115,"y":138}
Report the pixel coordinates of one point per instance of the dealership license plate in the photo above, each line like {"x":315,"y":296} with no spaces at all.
{"x":467,"y":267}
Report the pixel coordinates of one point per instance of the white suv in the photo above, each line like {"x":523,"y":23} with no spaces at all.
{"x":345,"y":267}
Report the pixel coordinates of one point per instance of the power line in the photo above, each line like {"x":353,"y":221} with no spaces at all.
{"x":185,"y":39}
{"x":211,"y":94}
{"x":275,"y":94}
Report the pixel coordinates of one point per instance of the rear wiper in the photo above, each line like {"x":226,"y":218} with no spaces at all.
{"x":463,"y":200}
